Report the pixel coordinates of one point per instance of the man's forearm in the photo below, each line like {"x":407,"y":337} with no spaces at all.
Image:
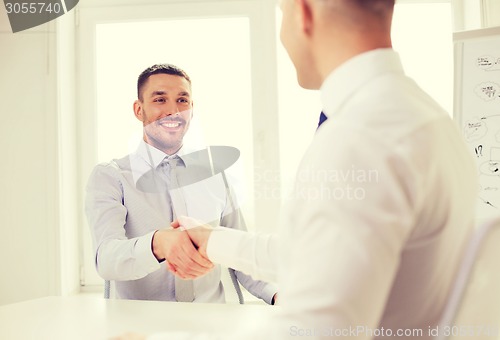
{"x":124,"y":260}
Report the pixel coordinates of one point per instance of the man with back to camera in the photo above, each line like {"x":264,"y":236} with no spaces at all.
{"x":130,"y":203}
{"x":381,"y":263}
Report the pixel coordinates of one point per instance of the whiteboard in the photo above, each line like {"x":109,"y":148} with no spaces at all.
{"x":477,"y":108}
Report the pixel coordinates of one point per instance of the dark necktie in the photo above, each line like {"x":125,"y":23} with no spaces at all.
{"x":322,"y":118}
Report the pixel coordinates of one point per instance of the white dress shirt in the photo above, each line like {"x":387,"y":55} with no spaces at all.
{"x":383,"y":202}
{"x":380,"y":246}
{"x":129,"y":199}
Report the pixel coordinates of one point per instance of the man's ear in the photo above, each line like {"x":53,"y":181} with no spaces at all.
{"x":305,"y":14}
{"x":138,"y":110}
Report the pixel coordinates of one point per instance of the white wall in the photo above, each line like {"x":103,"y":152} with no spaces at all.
{"x":29,"y":172}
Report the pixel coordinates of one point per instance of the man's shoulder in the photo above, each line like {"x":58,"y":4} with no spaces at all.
{"x":114,"y":166}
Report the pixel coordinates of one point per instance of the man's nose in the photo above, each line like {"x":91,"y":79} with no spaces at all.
{"x":172,"y":109}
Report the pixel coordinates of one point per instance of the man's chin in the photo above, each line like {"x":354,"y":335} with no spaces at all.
{"x":167,"y":146}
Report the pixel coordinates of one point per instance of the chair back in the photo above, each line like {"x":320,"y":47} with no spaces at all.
{"x":473,"y":307}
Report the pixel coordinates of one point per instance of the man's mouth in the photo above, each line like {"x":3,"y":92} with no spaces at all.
{"x":170,"y":124}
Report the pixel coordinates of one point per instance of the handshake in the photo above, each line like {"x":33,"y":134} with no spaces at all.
{"x":184,"y":247}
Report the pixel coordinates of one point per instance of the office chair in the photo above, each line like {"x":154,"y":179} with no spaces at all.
{"x":473,"y":307}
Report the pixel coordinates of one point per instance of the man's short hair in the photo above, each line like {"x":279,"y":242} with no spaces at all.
{"x":375,"y":6}
{"x":159,"y":69}
{"x":355,"y":11}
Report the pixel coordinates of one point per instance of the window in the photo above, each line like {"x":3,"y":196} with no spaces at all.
{"x":216,"y":55}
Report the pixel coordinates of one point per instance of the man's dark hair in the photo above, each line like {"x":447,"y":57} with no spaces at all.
{"x":355,"y":12}
{"x":159,"y":69}
{"x":377,"y":7}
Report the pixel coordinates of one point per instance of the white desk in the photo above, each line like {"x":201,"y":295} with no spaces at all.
{"x":75,"y":318}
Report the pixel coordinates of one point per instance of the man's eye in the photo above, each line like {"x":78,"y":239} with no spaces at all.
{"x":159,"y":100}
{"x":183,"y":100}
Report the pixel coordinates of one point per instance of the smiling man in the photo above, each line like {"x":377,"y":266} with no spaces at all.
{"x":131,"y":202}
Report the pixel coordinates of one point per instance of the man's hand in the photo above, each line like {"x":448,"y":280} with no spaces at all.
{"x":175,"y":246}
{"x":198,"y":232}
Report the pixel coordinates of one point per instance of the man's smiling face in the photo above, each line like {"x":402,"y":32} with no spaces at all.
{"x":165,"y":108}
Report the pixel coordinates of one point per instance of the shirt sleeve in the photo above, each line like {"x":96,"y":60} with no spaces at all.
{"x":117,"y":257}
{"x":257,"y":287}
{"x":233,"y":219}
{"x":261,"y":289}
{"x":253,"y":254}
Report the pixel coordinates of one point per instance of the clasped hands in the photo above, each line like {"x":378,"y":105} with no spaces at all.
{"x":184,"y":247}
